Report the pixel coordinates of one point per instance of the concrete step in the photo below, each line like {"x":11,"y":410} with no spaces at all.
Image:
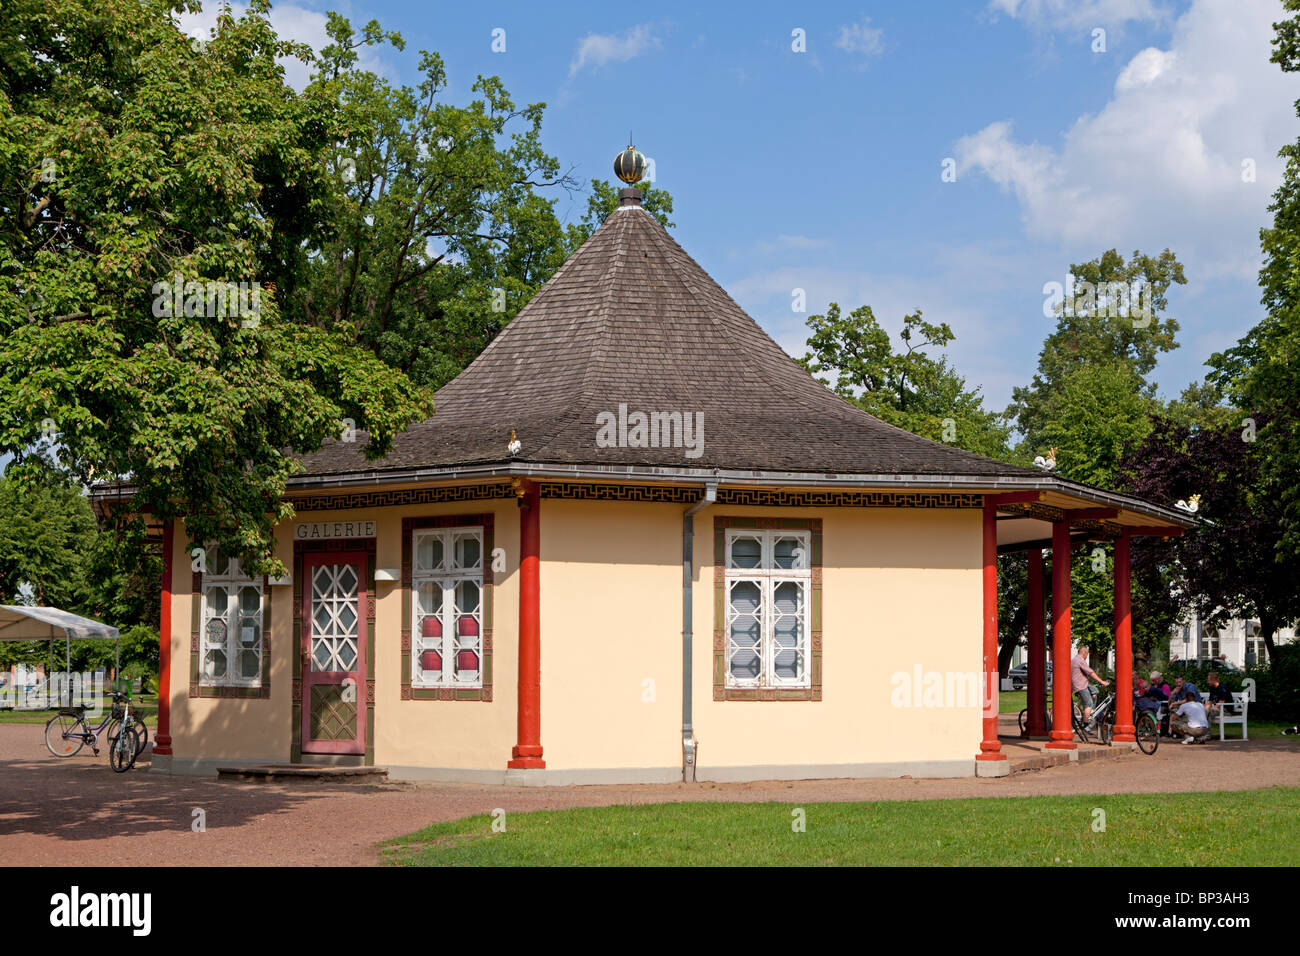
{"x":1045,"y":759}
{"x":279,"y":773}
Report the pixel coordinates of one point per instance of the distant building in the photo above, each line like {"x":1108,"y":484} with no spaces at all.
{"x":1240,"y":643}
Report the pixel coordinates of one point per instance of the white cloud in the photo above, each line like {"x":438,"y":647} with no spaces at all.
{"x":1144,"y":69}
{"x":597,"y":49}
{"x":1079,"y":14}
{"x":291,"y":22}
{"x":861,"y":38}
{"x":1161,"y":163}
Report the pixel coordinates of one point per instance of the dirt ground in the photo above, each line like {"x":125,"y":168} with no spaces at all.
{"x":77,"y":812}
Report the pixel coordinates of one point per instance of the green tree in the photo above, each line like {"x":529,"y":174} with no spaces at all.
{"x":1228,"y":566}
{"x":47,"y":531}
{"x":1111,"y":317}
{"x":437,"y":232}
{"x":1261,"y":374}
{"x":139,"y":168}
{"x":1091,"y":399}
{"x":909,"y":388}
{"x":1094,"y":414}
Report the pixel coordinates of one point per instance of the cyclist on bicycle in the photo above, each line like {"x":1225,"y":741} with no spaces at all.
{"x":1080,"y":672}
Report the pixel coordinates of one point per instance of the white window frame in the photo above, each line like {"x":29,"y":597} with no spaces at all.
{"x":446,"y":577}
{"x":769,"y":577}
{"x":232,"y":581}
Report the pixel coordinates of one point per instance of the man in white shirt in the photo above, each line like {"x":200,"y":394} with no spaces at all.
{"x":1190,"y":720}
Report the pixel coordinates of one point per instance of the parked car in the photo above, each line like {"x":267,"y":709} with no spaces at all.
{"x":1019,"y":677}
{"x":1204,"y":663}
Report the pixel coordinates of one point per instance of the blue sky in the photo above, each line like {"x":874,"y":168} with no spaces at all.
{"x":821,"y":169}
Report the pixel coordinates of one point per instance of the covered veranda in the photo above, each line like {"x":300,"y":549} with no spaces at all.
{"x":1056,"y":522}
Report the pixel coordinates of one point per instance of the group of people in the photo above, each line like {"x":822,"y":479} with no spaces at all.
{"x":1189,"y":713}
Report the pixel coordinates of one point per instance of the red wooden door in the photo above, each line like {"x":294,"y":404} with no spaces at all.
{"x":335,"y":644}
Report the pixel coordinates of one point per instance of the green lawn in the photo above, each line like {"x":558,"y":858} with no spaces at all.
{"x":1247,"y":828}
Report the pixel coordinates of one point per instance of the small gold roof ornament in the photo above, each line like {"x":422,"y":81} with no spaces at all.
{"x":629,"y":165}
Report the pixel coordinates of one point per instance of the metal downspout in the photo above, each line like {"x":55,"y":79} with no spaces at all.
{"x":689,"y":746}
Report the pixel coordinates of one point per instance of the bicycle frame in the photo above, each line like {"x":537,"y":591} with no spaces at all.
{"x":91,"y":734}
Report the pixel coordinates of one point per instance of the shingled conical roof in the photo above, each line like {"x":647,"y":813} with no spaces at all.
{"x":631,"y":319}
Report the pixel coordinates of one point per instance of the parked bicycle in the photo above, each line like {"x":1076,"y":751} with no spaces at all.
{"x":1101,"y":726}
{"x":68,"y":731}
{"x":1077,"y":714}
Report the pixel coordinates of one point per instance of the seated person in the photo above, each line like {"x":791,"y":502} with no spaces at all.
{"x":1217,"y":696}
{"x":1184,"y":690}
{"x":1141,"y":699}
{"x":1158,"y":693}
{"x":1159,"y":689}
{"x":1189,"y":719}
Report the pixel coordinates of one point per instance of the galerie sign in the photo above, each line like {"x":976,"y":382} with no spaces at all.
{"x":323,"y":530}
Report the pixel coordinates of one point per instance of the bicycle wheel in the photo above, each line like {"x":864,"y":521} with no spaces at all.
{"x":121,"y":751}
{"x":63,"y":735}
{"x":141,"y":736}
{"x":1148,"y":734}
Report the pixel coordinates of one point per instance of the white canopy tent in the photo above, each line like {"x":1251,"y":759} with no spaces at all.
{"x":21,"y":623}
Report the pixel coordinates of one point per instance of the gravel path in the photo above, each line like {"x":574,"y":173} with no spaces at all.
{"x":77,"y":812}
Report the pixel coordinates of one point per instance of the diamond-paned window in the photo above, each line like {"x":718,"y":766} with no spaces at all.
{"x":768,"y":577}
{"x":447,"y":607}
{"x":334,"y":633}
{"x":231,"y":635}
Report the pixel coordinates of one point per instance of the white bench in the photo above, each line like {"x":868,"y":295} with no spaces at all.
{"x":1234,"y":713}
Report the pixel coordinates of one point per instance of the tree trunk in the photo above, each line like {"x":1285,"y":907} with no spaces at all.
{"x":1011,"y":638}
{"x":1267,"y":625}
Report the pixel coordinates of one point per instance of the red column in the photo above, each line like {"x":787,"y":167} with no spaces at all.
{"x":1036,"y":720}
{"x":528,"y":750}
{"x":1062,"y":736}
{"x":162,"y":743}
{"x":990,"y":747}
{"x":1123,"y":645}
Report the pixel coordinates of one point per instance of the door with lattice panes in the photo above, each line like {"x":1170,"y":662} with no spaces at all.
{"x":335,"y":648}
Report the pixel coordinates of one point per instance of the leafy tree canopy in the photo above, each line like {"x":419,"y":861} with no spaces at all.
{"x":1261,"y":373}
{"x":437,"y":233}
{"x":909,"y":388}
{"x":144,"y":178}
{"x":1228,"y":566}
{"x":1112,"y":317}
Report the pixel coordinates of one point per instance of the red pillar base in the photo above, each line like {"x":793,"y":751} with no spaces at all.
{"x":526,"y":758}
{"x":1125,"y":735}
{"x":1067,"y":744}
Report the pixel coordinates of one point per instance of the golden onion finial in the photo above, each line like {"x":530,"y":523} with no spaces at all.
{"x":629,"y":165}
